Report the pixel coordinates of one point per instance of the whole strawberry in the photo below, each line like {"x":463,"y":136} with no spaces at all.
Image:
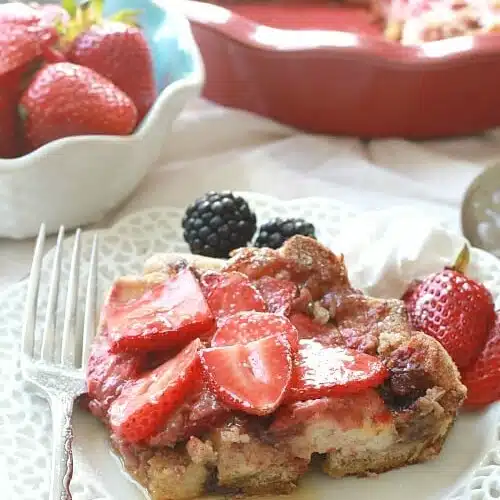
{"x":482,"y":378}
{"x":22,"y":44}
{"x":119,"y":52}
{"x":454,"y":309}
{"x":66,"y":99}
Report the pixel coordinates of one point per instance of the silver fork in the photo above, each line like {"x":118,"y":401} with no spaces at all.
{"x":58,"y":370}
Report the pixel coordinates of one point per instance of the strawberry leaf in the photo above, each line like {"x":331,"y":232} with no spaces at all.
{"x":126,"y":16}
{"x":70,"y":7}
{"x":97,"y":7}
{"x":462,"y":260}
{"x":87,"y":15}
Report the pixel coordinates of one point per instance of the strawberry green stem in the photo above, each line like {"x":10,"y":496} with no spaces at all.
{"x":86,"y":14}
{"x":462,"y":260}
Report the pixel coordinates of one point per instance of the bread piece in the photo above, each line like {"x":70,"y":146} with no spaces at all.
{"x":247,"y":464}
{"x":179,"y":473}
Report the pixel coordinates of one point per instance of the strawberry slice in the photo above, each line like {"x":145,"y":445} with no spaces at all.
{"x":278,"y":294}
{"x":327,"y":334}
{"x":144,"y":405}
{"x":247,"y":326}
{"x":107,"y":373}
{"x":253,"y":377}
{"x":229,"y":293}
{"x":320,"y":371}
{"x":165,"y":316}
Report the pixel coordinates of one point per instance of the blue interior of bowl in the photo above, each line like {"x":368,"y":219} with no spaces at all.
{"x":168,"y":35}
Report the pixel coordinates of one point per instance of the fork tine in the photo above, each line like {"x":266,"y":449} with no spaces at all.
{"x":68,"y":335}
{"x":28,"y":332}
{"x":89,"y":320}
{"x":49,"y":329}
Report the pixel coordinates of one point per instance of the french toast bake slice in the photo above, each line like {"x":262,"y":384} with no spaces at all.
{"x":205,"y":447}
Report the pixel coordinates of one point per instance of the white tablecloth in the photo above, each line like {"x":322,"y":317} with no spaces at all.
{"x":216,"y":148}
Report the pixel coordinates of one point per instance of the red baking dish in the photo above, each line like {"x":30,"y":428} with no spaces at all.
{"x":331,"y":72}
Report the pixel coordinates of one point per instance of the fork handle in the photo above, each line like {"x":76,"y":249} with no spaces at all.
{"x":61,"y":406}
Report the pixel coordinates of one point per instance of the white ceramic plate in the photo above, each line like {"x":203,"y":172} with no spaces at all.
{"x":468,"y":467}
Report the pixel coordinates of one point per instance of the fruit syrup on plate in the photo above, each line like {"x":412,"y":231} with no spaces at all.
{"x":50,"y":54}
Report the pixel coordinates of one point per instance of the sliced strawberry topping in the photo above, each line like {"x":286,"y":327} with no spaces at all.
{"x":247,"y":326}
{"x":164,"y":316}
{"x":229,"y":293}
{"x":144,"y":406}
{"x":278,"y":294}
{"x":253,"y":377}
{"x":107,"y":373}
{"x":332,"y":371}
{"x":327,"y":334}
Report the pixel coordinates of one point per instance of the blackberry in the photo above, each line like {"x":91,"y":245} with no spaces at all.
{"x":218,"y":223}
{"x":275,"y":232}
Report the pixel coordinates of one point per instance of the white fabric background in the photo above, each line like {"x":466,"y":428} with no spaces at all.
{"x":216,"y":148}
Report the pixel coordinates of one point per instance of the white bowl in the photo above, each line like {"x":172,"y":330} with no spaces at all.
{"x":76,"y":180}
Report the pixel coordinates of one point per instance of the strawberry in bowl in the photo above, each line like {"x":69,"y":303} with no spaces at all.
{"x":116,"y":53}
{"x":88,"y":94}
